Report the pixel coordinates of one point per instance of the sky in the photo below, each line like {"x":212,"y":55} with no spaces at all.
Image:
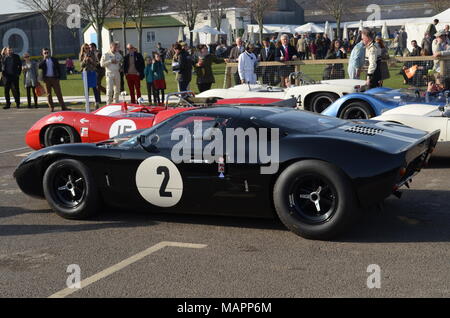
{"x":11,"y":6}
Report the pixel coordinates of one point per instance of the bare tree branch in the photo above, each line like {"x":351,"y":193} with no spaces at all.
{"x":124,"y":11}
{"x":337,"y":9}
{"x":439,"y":5}
{"x":140,"y":9}
{"x":189,"y":11}
{"x":96,"y":11}
{"x":50,"y":10}
{"x":257,"y":10}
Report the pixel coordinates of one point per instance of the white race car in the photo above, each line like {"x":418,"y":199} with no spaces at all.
{"x":313,"y":95}
{"x":424,"y":117}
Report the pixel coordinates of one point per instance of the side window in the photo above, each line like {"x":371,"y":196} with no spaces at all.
{"x":196,"y":125}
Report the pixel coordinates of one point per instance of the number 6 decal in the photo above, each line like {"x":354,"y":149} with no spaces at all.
{"x":159,"y":182}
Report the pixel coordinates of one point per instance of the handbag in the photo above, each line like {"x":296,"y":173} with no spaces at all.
{"x":39,"y":90}
{"x":159,"y":84}
{"x":410,"y":72}
{"x":175,"y":67}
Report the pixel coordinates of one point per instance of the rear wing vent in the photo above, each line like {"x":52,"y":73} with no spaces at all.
{"x":363,"y":130}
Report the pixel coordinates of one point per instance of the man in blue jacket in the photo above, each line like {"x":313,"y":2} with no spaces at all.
{"x":356,"y":61}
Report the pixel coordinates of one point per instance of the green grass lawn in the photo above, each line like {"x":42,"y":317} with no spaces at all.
{"x":73,"y":86}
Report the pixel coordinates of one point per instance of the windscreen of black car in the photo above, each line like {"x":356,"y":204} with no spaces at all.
{"x":300,"y":121}
{"x":186,"y":121}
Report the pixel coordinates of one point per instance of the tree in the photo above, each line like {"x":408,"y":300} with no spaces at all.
{"x":96,"y":11}
{"x":336,"y":9}
{"x":189,"y":11}
{"x":51,"y":11}
{"x":123,"y":10}
{"x":439,"y":5}
{"x":140,"y":9}
{"x":257,"y":10}
{"x":217,"y":10}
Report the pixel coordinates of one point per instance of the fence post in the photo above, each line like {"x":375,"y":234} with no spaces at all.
{"x":227,"y":80}
{"x":297,"y":69}
{"x":443,"y":66}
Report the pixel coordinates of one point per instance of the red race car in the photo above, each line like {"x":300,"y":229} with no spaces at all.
{"x":110,"y":121}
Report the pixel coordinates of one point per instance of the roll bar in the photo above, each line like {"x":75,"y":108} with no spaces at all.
{"x":181,"y":97}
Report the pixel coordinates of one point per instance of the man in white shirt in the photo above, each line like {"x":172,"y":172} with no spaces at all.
{"x":373,"y":57}
{"x":111,"y":61}
{"x":439,"y":49}
{"x":246,"y":65}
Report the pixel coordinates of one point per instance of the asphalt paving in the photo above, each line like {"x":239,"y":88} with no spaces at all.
{"x":407,"y":238}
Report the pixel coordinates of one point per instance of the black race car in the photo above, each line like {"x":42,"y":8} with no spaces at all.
{"x":326,"y":169}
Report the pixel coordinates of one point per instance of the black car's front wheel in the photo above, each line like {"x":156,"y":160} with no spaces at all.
{"x":70,"y":189}
{"x":314,"y":199}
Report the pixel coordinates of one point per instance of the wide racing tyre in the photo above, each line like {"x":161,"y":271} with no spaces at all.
{"x":321,"y":101}
{"x":70,"y":189}
{"x":357,"y":110}
{"x":315,"y":199}
{"x":60,"y":134}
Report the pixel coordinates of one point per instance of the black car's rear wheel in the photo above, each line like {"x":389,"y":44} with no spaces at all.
{"x":59,"y":134}
{"x":70,"y":189}
{"x":314,"y":199}
{"x":357,"y":110}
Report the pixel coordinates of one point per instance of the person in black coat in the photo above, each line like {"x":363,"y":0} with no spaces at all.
{"x":12,"y":68}
{"x":285,"y":53}
{"x":267,"y":54}
{"x":335,"y":71}
{"x":183,"y":66}
{"x":133,"y":67}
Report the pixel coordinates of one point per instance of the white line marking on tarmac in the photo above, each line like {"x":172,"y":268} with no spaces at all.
{"x":117,"y":267}
{"x":13,"y":150}
{"x":25,"y":154}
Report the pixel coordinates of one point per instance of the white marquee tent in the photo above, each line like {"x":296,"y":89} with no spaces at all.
{"x":416,"y":29}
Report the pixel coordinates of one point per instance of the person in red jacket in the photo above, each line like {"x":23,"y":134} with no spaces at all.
{"x":134,"y":66}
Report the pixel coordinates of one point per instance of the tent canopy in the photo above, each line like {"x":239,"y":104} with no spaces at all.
{"x":273,"y":28}
{"x":310,"y":28}
{"x":207,"y":29}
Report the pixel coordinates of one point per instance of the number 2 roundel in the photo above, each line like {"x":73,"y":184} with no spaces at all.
{"x":159,"y":182}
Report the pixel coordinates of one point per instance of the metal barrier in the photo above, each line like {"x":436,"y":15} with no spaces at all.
{"x":416,"y":70}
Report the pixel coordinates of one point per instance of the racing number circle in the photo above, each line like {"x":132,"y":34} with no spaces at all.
{"x":159,"y":182}
{"x":121,"y":126}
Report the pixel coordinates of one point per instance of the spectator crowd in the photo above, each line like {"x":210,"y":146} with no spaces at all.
{"x":366,"y":52}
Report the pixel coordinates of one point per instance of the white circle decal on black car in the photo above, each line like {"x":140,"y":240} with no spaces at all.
{"x":159,"y":182}
{"x":121,"y":126}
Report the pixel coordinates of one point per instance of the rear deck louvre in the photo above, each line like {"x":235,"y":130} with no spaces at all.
{"x":363,"y":130}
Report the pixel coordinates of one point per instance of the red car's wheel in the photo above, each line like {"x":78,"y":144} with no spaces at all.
{"x":60,"y":134}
